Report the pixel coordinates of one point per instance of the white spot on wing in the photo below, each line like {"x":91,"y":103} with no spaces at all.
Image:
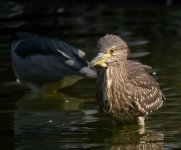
{"x":63,"y":54}
{"x":70,"y":62}
{"x":81,"y":53}
{"x":89,"y":72}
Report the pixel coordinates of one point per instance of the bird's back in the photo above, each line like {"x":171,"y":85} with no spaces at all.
{"x":146,"y":95}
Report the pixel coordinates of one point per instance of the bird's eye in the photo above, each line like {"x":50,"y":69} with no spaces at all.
{"x":111,"y":51}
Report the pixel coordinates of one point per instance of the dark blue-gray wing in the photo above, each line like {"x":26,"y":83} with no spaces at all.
{"x":29,"y":44}
{"x":33,"y":56}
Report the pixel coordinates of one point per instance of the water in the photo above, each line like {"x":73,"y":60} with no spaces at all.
{"x":70,"y":119}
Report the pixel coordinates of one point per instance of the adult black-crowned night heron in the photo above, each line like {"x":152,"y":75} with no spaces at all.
{"x":40,"y":60}
{"x":124,"y":89}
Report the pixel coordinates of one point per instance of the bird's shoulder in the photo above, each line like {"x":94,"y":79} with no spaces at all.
{"x":138,"y":75}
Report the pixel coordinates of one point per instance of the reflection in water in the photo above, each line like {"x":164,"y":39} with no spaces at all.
{"x":58,"y":109}
{"x":76,"y":125}
{"x":138,"y":140}
{"x":52,"y":116}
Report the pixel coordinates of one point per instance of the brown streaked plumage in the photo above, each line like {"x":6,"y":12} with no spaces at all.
{"x":124,"y":89}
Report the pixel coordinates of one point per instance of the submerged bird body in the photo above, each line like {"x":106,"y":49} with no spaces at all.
{"x":124,"y":89}
{"x":40,"y":60}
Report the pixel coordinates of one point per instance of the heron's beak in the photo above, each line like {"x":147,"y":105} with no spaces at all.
{"x":100,"y":60}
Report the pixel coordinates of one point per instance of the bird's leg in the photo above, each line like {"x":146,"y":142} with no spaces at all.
{"x":141,"y":120}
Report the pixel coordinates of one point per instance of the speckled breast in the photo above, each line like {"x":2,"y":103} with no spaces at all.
{"x":114,"y":99}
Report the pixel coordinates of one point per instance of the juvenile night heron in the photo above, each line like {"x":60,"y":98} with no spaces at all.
{"x":40,"y":60}
{"x":125,"y":90}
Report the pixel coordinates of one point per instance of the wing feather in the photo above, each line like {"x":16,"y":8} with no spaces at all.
{"x":146,"y":94}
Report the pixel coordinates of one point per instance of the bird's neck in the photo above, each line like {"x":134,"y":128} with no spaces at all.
{"x":118,"y":71}
{"x":115,"y":79}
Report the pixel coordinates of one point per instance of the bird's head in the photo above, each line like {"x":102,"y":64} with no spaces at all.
{"x":112,"y":49}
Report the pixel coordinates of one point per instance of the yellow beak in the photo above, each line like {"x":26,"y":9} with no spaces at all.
{"x":100,"y":60}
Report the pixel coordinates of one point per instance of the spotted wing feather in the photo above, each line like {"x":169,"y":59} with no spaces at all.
{"x":146,"y":95}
